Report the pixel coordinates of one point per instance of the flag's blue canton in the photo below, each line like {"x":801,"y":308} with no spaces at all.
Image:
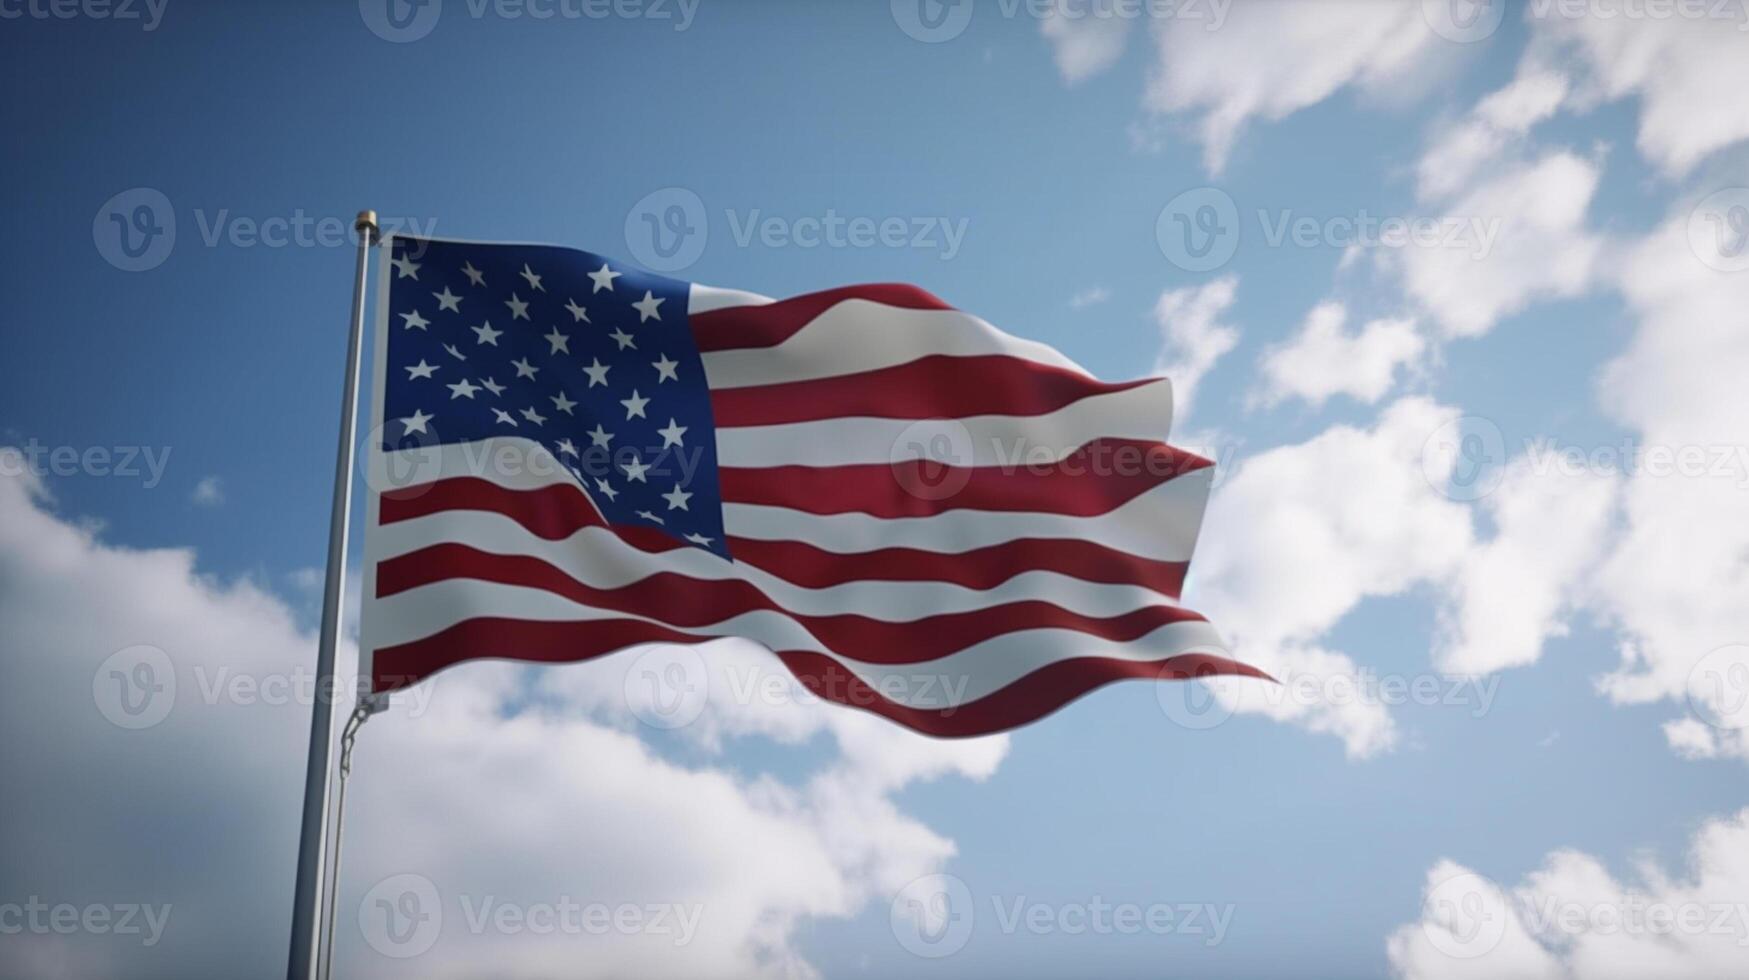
{"x":593,"y":360}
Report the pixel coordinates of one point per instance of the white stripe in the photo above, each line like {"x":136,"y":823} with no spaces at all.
{"x":599,"y":558}
{"x":951,"y":681}
{"x":859,"y":335}
{"x":509,"y":461}
{"x":704,"y":299}
{"x":1144,"y":412}
{"x":1160,"y":524}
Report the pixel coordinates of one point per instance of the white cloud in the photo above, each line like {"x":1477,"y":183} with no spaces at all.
{"x":1192,"y":335}
{"x":1689,"y":74}
{"x":1091,"y":296}
{"x":1270,"y":60}
{"x":209,"y":492}
{"x":1324,"y":359}
{"x":1300,"y":535}
{"x":1459,"y":151}
{"x":1086,"y":45}
{"x":492,"y":780}
{"x":1675,"y":583}
{"x":1512,"y":591}
{"x":1572,"y":920}
{"x":1523,"y":238}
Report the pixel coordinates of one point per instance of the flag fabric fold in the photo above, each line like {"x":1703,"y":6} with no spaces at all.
{"x":918,"y":514}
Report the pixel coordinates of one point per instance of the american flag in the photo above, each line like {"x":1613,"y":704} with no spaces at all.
{"x":916,"y":513}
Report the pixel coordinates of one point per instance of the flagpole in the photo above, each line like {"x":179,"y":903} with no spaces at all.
{"x":366,"y":707}
{"x":317,"y":771}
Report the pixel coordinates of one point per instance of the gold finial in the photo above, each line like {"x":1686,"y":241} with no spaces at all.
{"x":366,"y":224}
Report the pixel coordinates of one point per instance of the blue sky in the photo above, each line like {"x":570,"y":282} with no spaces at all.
{"x":1579,"y":604}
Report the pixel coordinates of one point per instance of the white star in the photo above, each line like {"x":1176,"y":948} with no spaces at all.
{"x":416,"y":423}
{"x":646,"y":307}
{"x":475,"y":276}
{"x":524,"y":369}
{"x":518,"y":308}
{"x":458,"y":355}
{"x":671,"y":435}
{"x":447,"y":300}
{"x":599,"y":436}
{"x":534,"y":416}
{"x":623,"y":339}
{"x":533,"y":280}
{"x":677,"y":498}
{"x":635,"y":405}
{"x":603,"y":278}
{"x":635,"y":470}
{"x":462,"y":389}
{"x":415,"y":321}
{"x":421,"y":370}
{"x":665,"y":369}
{"x":578,"y":313}
{"x":609,"y":492}
{"x":486,"y":334}
{"x":560,"y":342}
{"x":503,"y":416}
{"x":699,"y":539}
{"x":563,"y":404}
{"x":565,"y":446}
{"x":646,"y":515}
{"x":493,"y":386}
{"x":405,"y":268}
{"x":597,"y":372}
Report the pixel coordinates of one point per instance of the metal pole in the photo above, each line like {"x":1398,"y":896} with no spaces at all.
{"x":331,"y":896}
{"x":317,"y":771}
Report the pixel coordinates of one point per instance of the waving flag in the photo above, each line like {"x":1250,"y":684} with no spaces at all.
{"x":916,"y":513}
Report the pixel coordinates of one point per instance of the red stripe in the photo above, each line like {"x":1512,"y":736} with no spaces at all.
{"x":684,"y":601}
{"x":981,"y":568}
{"x":1027,"y":699}
{"x":552,"y":512}
{"x":770,"y":324}
{"x":556,"y":512}
{"x":937,"y":386}
{"x":1096,"y":479}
